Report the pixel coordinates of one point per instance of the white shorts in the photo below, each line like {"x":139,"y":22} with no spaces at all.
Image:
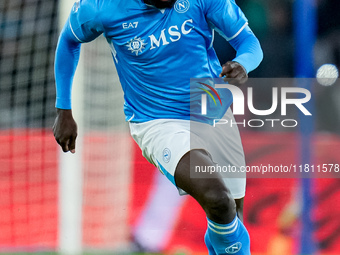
{"x":165,"y":141}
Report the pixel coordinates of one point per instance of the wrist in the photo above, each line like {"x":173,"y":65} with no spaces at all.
{"x":241,"y":65}
{"x":64,"y":111}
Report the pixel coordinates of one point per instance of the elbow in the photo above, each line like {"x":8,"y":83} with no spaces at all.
{"x":248,"y":48}
{"x":67,"y":47}
{"x":66,"y":39}
{"x":255,"y":55}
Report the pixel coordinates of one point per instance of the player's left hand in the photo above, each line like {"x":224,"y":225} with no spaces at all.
{"x":234,"y":73}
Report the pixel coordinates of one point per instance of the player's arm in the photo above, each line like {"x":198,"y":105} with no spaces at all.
{"x":248,"y":56}
{"x":228,"y":20}
{"x":66,"y":60}
{"x":81,"y":26}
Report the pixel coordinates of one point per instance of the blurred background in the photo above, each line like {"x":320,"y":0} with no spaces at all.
{"x":107,"y":198}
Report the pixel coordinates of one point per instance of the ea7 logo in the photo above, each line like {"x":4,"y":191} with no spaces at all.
{"x":130,"y":25}
{"x":173,"y":34}
{"x":232,"y":249}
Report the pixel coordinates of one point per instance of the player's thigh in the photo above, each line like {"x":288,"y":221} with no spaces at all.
{"x":226,"y":150}
{"x":198,"y":185}
{"x":163,"y":143}
{"x":207,"y":188}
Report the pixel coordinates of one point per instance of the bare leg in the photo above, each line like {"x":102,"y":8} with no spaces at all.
{"x":239,"y":208}
{"x":211,"y":193}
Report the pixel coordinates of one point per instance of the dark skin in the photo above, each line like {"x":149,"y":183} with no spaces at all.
{"x":234,"y":73}
{"x":65,"y":130}
{"x":210,"y":193}
{"x":160,"y":4}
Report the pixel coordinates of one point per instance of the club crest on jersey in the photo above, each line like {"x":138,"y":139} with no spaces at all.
{"x":136,"y":45}
{"x":182,"y":6}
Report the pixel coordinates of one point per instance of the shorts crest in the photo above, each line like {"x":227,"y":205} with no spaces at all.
{"x":166,"y":155}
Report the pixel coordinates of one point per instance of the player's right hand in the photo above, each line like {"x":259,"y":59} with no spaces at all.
{"x":65,"y":130}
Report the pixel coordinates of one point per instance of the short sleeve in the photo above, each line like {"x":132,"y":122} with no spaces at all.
{"x":225,"y":17}
{"x":84,"y":20}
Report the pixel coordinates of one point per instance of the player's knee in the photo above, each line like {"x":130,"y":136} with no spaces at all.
{"x":219,"y":204}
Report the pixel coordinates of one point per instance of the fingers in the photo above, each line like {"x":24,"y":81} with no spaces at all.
{"x":68,"y":144}
{"x":234,"y":73}
{"x":227,"y":68}
{"x":65,"y":131}
{"x":72,"y":144}
{"x":64,"y":146}
{"x":67,"y":141}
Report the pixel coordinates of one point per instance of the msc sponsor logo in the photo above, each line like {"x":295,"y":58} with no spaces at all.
{"x":136,"y":45}
{"x":167,"y":36}
{"x":172,"y":34}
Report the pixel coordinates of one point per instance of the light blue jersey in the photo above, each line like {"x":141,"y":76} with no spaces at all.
{"x":156,"y":52}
